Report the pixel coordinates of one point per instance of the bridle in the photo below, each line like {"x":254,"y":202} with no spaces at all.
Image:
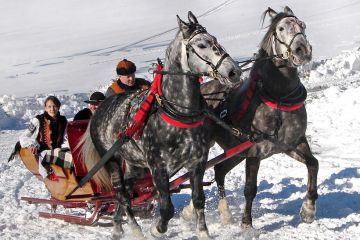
{"x":189,"y":48}
{"x":168,"y":106}
{"x":288,"y":53}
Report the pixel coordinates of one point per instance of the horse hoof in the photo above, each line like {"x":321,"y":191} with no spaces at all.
{"x":307,"y":213}
{"x":203,"y":235}
{"x":116,"y":235}
{"x":188,"y":212}
{"x":246,"y":226}
{"x":248,"y":232}
{"x":137,"y":233}
{"x":155,"y":232}
{"x":117,"y":232}
{"x":225,"y":214}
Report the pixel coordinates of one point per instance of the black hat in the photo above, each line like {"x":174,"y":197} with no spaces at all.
{"x":96,"y":98}
{"x":125,"y":67}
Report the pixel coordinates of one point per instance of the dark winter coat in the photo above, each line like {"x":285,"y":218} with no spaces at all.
{"x":84,"y":114}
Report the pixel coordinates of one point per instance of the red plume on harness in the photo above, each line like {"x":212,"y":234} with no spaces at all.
{"x":141,"y":115}
{"x":135,"y":128}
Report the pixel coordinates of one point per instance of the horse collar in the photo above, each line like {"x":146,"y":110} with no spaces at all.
{"x":291,"y":102}
{"x":168,"y":113}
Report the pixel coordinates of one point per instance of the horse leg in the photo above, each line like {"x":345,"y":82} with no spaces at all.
{"x":198,"y":199}
{"x":303,"y":154}
{"x":220,"y":172}
{"x":252,"y":168}
{"x":123,"y":203}
{"x":188,"y":212}
{"x":161,"y":180}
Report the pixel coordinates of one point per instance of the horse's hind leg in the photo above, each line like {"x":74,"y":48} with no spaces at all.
{"x":161,"y":180}
{"x":304,"y":155}
{"x":251,"y":170}
{"x":198,"y":199}
{"x":123,"y":203}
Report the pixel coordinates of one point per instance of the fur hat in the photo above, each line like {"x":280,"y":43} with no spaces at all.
{"x":125,"y":67}
{"x":96,"y":98}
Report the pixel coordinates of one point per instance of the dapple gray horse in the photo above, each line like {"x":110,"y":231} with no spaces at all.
{"x":274,"y":96}
{"x":164,"y":148}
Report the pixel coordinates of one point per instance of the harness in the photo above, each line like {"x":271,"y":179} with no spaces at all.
{"x":214,"y":74}
{"x":166,"y":111}
{"x":254,"y":95}
{"x":166,"y":108}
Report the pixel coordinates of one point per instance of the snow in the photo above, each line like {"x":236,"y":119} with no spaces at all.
{"x":71,"y":49}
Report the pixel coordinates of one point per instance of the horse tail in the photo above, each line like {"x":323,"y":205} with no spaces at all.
{"x":91,"y":157}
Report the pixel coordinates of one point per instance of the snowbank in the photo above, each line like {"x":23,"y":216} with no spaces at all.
{"x":323,"y":73}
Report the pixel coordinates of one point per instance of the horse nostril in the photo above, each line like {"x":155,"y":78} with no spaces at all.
{"x":298,"y":50}
{"x":232,"y":74}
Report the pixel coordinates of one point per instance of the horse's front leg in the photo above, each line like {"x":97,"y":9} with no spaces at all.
{"x":161,"y":180}
{"x":303,"y":154}
{"x":220,"y":172}
{"x":250,"y":190}
{"x":198,"y":198}
{"x":123,"y":203}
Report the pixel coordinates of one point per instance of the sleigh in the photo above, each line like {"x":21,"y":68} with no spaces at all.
{"x":95,"y":203}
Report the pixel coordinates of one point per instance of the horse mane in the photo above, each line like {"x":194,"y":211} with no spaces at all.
{"x":192,"y":27}
{"x":171,"y":46}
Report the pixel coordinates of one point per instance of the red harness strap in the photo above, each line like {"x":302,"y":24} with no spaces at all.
{"x":164,"y":116}
{"x":276,"y":105}
{"x":249,"y":95}
{"x":179,"y":124}
{"x":142,"y":114}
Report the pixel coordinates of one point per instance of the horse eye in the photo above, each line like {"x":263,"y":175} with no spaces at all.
{"x":202,"y":46}
{"x":281,"y":29}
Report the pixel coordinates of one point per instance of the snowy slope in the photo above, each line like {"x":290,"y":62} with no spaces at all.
{"x":73,"y":48}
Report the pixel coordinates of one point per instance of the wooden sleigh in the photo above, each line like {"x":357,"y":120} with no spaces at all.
{"x":89,"y":197}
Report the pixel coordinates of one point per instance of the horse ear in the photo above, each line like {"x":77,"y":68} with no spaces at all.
{"x":288,"y":11}
{"x":184,"y":27}
{"x":271,"y":12}
{"x":192,"y":18}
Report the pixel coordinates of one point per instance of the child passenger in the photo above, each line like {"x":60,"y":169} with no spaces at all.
{"x":45,"y":136}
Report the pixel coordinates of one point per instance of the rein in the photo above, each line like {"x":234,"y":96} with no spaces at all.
{"x":167,"y":106}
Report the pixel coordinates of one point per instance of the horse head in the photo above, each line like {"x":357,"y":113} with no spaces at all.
{"x":202,"y":53}
{"x":286,"y":38}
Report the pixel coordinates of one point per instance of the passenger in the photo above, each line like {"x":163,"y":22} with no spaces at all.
{"x":45,"y":136}
{"x":95,"y":99}
{"x":127,"y":82}
{"x":126,"y":79}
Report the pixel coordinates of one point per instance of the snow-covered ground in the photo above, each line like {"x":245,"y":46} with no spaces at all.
{"x":71,"y":48}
